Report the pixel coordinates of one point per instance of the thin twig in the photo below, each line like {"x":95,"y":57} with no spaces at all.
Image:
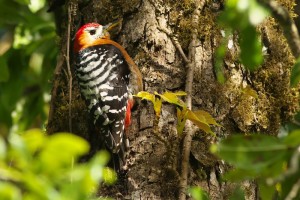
{"x":188,"y":126}
{"x":170,"y":35}
{"x":287,"y":23}
{"x":176,"y":43}
{"x":293,"y":168}
{"x":56,"y":83}
{"x":67,"y":57}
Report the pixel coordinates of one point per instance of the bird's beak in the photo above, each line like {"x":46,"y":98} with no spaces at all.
{"x":110,"y":26}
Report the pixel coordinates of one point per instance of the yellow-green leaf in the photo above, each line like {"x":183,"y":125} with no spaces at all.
{"x":208,"y":118}
{"x":180,"y":93}
{"x":157,"y":106}
{"x":146,"y":95}
{"x":10,"y":191}
{"x":61,"y":149}
{"x":181,"y":119}
{"x":199,"y":121}
{"x":109,"y":176}
{"x":34,"y":139}
{"x":157,"y":102}
{"x":172,"y":98}
{"x":295,"y":74}
{"x":194,"y":117}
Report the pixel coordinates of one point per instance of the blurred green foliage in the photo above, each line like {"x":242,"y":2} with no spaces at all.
{"x":27,"y":59}
{"x":198,"y":193}
{"x":272,"y":162}
{"x":241,"y":16}
{"x":34,"y":166}
{"x":295,"y":74}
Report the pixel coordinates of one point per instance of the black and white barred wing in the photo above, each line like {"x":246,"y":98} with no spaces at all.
{"x":103,"y":75}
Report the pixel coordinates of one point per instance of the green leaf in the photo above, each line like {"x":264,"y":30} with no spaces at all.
{"x":249,"y":173}
{"x":266,"y":192}
{"x":109,"y":176}
{"x":74,"y":145}
{"x":38,"y":185}
{"x":238,"y":174}
{"x":238,"y":194}
{"x":61,"y":150}
{"x":288,"y":184}
{"x":198,"y":193}
{"x":241,"y":13}
{"x":293,"y":139}
{"x":83,"y":179}
{"x":4,"y":72}
{"x":36,"y":5}
{"x":19,"y":150}
{"x":219,"y":56}
{"x":9,"y":192}
{"x":253,"y":152}
{"x":295,"y":74}
{"x":23,"y":36}
{"x":251,"y":48}
{"x":257,"y":13}
{"x":243,"y":16}
{"x":25,"y":2}
{"x":34,"y":139}
{"x":3,"y":149}
{"x":101,"y":158}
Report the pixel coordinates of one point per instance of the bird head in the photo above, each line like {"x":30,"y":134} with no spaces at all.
{"x":89,"y":33}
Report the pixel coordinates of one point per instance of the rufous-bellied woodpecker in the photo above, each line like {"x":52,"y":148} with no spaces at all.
{"x":108,"y":78}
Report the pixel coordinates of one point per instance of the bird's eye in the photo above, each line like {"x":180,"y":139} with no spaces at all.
{"x":92,"y":32}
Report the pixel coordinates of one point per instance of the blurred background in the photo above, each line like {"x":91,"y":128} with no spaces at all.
{"x":28,"y":49}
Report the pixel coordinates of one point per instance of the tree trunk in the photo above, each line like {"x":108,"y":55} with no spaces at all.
{"x":152,"y":32}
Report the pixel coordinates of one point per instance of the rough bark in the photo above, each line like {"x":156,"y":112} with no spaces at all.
{"x":248,"y":102}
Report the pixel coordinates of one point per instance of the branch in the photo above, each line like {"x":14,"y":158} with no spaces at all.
{"x":56,"y":83}
{"x":287,"y":23}
{"x":175,"y":42}
{"x":67,"y":57}
{"x":171,"y":36}
{"x":293,"y":168}
{"x":189,"y":90}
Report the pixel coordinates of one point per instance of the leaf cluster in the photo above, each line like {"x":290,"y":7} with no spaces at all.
{"x":27,"y":56}
{"x":36,"y":167}
{"x":200,"y":118}
{"x":241,"y":16}
{"x":272,"y":162}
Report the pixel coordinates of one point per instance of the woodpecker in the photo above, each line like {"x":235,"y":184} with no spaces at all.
{"x":108,"y":78}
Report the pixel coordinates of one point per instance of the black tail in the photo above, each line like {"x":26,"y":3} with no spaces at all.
{"x":118,"y":160}
{"x":97,"y":142}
